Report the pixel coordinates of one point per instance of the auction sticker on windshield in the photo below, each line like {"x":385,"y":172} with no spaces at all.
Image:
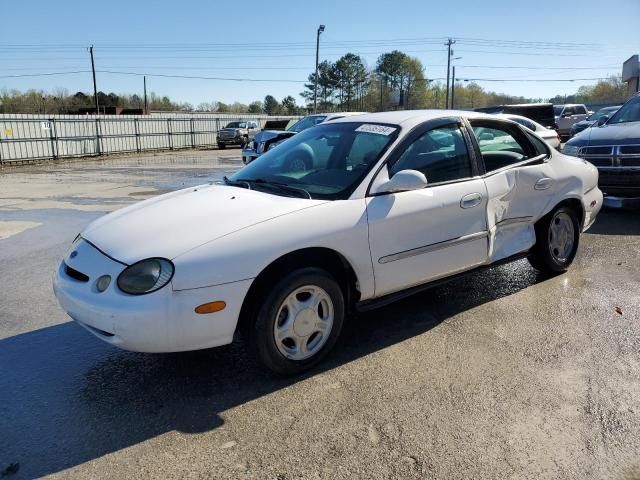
{"x":379,"y":129}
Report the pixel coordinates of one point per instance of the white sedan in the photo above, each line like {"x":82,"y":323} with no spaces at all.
{"x":549,"y":135}
{"x":345,"y":216}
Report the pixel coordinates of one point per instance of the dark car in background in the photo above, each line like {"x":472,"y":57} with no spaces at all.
{"x":592,"y":119}
{"x":613,"y":145}
{"x":542,"y":113}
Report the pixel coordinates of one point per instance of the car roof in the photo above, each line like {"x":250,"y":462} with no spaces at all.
{"x":510,"y":116}
{"x":408,"y":118}
{"x":340,"y":114}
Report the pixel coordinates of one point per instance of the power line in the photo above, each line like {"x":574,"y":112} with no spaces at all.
{"x":44,"y":74}
{"x":198,"y":77}
{"x":195,"y":77}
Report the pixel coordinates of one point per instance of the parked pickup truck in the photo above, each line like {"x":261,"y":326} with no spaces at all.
{"x":237,"y":133}
{"x":613,"y":145}
{"x":567,"y":115}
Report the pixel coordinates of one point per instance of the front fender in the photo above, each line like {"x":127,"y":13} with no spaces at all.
{"x":339,"y":225}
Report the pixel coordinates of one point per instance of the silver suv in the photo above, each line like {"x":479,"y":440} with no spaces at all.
{"x":567,"y":115}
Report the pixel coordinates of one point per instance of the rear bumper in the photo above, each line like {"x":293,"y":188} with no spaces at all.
{"x":592,"y":203}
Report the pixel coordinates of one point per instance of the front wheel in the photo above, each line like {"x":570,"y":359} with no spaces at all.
{"x":222,"y":146}
{"x":557,"y":238}
{"x":299,"y":322}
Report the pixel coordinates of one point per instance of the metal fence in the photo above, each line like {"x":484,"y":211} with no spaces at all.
{"x":40,"y":137}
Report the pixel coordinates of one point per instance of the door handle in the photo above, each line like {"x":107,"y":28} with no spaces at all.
{"x":543,"y":183}
{"x":471,"y":200}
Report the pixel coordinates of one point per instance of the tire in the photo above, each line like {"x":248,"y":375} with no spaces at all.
{"x":222,"y":146}
{"x":557,"y":240}
{"x":305,"y":338}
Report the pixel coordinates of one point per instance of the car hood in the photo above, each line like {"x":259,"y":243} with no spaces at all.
{"x":172,"y":224}
{"x":615,"y":134}
{"x":266,"y":135}
{"x":583,"y":123}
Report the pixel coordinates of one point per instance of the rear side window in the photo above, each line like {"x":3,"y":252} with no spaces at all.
{"x":440,"y":154}
{"x":539,"y":145}
{"x":569,"y":111}
{"x":501,"y":146}
{"x":580,"y":110}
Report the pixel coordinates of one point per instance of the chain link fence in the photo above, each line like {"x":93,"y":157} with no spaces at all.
{"x":43,"y":137}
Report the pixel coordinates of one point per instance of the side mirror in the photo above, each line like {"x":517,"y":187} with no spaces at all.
{"x":602,"y":120}
{"x":402,"y":181}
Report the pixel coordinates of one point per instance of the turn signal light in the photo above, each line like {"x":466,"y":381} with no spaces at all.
{"x":211,"y":307}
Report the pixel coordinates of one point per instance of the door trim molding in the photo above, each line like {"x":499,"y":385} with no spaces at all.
{"x":432,"y":247}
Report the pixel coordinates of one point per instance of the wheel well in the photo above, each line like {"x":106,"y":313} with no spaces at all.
{"x":323,"y":258}
{"x":576,"y":206}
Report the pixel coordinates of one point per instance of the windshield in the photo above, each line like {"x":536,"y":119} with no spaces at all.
{"x":629,"y":112}
{"x":328,"y":161}
{"x":236,"y":125}
{"x":306,"y":122}
{"x":601,"y":113}
{"x":557,"y":110}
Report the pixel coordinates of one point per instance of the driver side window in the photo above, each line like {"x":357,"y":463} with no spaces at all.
{"x":440,"y":154}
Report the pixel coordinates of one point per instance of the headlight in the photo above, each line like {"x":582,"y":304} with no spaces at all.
{"x":145,"y":276}
{"x":571,"y":150}
{"x":260,"y":148}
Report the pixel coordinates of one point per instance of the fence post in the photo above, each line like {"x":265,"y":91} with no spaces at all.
{"x":98,"y":145}
{"x":137,"y":132}
{"x":53,"y":137}
{"x":193,"y":138}
{"x":169,"y":132}
{"x":215,"y":134}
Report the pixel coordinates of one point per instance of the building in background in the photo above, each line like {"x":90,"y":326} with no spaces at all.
{"x":631,"y":74}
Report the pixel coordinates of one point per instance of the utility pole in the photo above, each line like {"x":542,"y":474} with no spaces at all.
{"x":450,"y":42}
{"x":453,"y":88}
{"x":95,"y":88}
{"x":146,"y":105}
{"x":315,"y":86}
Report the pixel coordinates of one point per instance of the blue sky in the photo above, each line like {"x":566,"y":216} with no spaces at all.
{"x":278,"y":42}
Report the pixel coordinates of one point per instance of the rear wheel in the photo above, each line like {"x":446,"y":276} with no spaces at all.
{"x":557,"y":239}
{"x":299,"y":322}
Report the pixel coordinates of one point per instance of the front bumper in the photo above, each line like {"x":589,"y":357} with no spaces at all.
{"x":249,"y":155}
{"x":620,"y":182}
{"x":230,"y":141}
{"x":162,"y":321}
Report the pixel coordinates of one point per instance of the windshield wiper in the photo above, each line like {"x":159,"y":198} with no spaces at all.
{"x":285,"y":187}
{"x":236,"y":183}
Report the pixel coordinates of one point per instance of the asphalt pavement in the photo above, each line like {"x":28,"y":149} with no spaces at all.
{"x":502,"y":374}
